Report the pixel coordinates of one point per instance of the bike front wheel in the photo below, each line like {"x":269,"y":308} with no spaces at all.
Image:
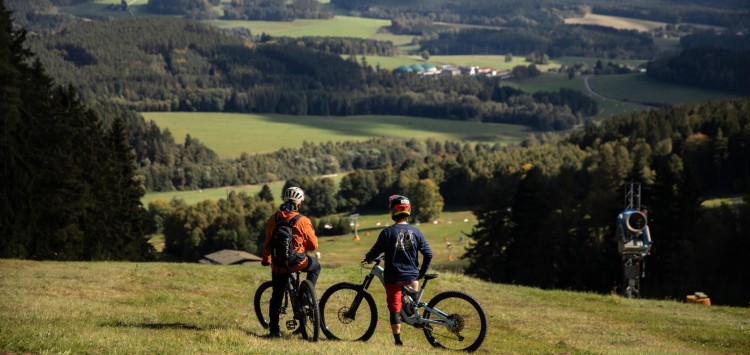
{"x":347,"y":312}
{"x":469,"y":322}
{"x":262,"y":302}
{"x":310,"y":312}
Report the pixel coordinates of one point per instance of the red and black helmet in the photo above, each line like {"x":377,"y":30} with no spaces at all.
{"x":399,"y":206}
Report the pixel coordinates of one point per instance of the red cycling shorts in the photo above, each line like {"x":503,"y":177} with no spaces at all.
{"x":393,"y":296}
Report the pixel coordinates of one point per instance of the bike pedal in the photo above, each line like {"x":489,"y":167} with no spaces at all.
{"x":291,"y":324}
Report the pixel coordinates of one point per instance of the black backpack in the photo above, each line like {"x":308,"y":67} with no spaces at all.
{"x":282,"y":243}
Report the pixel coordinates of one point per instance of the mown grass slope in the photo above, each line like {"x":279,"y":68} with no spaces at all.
{"x":171,"y":308}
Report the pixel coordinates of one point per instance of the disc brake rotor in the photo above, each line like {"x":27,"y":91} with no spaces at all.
{"x":344,"y":315}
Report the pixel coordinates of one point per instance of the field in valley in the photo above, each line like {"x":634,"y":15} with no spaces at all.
{"x":229,"y":135}
{"x":339,"y":26}
{"x":620,"y":23}
{"x":641,"y":88}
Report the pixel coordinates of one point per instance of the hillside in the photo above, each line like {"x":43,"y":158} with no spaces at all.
{"x":105,"y":307}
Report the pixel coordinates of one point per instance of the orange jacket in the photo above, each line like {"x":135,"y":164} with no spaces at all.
{"x":304,"y":239}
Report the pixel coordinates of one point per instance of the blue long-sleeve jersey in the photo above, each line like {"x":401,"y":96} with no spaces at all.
{"x":401,"y":244}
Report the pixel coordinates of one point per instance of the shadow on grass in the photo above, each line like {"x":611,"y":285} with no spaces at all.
{"x":181,"y":326}
{"x":160,"y":326}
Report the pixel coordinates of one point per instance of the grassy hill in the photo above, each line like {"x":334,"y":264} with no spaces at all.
{"x":113,"y":307}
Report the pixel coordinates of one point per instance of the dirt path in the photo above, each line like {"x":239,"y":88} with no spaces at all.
{"x":591,"y":91}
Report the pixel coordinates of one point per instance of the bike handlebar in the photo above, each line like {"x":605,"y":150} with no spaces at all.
{"x":377,"y":260}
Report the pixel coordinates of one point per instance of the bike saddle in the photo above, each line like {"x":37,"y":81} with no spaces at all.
{"x":430,"y":276}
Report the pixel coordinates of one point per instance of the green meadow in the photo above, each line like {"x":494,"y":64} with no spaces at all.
{"x":229,"y":135}
{"x":185,"y":308}
{"x":641,"y":88}
{"x":449,"y":227}
{"x":194,"y":196}
{"x":621,"y":23}
{"x":97,"y":8}
{"x":622,"y":94}
{"x":339,"y":26}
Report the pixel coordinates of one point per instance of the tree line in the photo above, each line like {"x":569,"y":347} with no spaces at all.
{"x":555,"y":41}
{"x":70,"y":189}
{"x":729,"y":41}
{"x":555,"y":229}
{"x":511,"y":13}
{"x":706,"y":67}
{"x":275,"y":10}
{"x":341,"y":45}
{"x":195,"y":9}
{"x":732,"y":14}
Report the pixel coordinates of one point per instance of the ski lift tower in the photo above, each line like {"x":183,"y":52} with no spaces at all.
{"x":633,"y":240}
{"x":354,"y":222}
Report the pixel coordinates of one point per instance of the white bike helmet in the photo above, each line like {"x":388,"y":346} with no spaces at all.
{"x":294,"y":194}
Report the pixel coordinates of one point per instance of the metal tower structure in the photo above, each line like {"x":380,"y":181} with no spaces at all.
{"x":634,"y":240}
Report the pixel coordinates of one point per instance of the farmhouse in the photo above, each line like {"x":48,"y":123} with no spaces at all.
{"x":450,"y":70}
{"x":230,"y":257}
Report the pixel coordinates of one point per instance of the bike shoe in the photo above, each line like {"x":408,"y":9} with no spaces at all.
{"x":275,"y":334}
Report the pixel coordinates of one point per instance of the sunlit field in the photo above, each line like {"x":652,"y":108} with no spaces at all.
{"x":339,"y":26}
{"x":621,"y":23}
{"x":229,"y":135}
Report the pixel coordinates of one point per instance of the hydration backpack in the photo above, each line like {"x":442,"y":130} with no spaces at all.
{"x":282,"y":243}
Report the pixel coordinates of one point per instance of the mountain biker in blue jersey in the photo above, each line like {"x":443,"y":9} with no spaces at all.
{"x":400,"y":243}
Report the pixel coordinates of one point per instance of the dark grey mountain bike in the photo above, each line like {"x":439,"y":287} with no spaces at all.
{"x":451,"y":320}
{"x":299,"y":297}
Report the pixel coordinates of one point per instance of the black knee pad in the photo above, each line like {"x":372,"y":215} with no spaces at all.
{"x":395,"y":318}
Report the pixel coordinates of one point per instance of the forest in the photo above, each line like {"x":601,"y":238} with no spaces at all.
{"x":556,"y":41}
{"x":706,"y":67}
{"x":517,"y":13}
{"x":70,"y":189}
{"x":160,"y":64}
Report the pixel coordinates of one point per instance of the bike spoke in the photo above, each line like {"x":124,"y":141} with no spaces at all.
{"x":467,"y":327}
{"x":345,"y":322}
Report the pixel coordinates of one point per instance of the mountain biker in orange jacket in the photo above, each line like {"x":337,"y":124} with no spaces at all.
{"x":400,"y":243}
{"x":304,"y":240}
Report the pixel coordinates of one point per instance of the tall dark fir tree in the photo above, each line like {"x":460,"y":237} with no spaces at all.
{"x":68,"y":185}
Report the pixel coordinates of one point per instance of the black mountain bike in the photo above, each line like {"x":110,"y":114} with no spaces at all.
{"x":451,"y":320}
{"x":305,"y":314}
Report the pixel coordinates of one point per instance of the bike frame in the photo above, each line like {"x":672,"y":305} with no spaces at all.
{"x":377,"y":271}
{"x":291,"y":291}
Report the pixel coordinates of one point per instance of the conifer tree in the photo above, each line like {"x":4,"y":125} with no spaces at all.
{"x":68,"y":194}
{"x":14,"y":165}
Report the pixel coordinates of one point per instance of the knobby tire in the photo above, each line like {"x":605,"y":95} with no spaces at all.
{"x":261,"y":301}
{"x":336,"y":320}
{"x":472,"y":322}
{"x":310,"y":312}
{"x":261,"y":304}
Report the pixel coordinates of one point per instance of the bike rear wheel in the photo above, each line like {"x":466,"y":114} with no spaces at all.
{"x":310,"y":312}
{"x":347,"y":312}
{"x":262,"y":301}
{"x":470,"y":327}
